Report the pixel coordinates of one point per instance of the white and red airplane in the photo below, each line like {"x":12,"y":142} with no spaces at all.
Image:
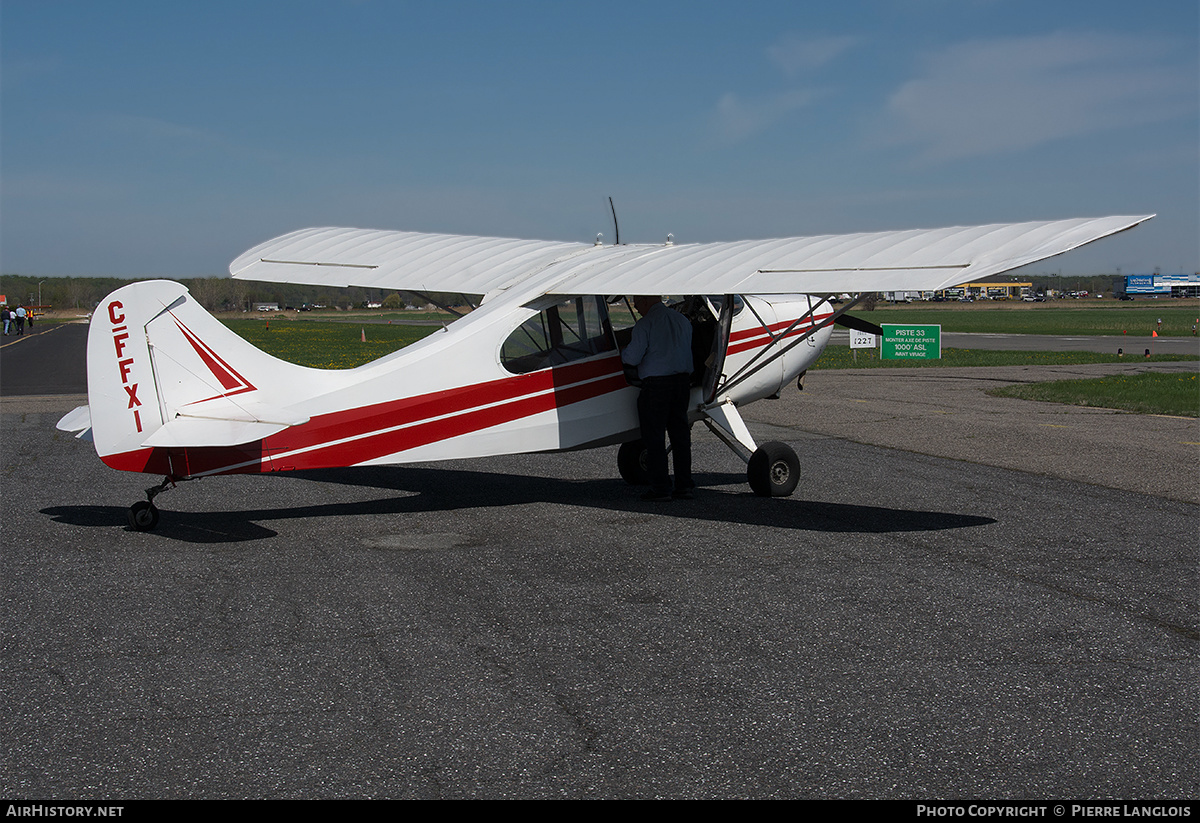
{"x":534,"y":368}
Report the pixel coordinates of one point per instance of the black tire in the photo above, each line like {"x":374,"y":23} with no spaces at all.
{"x":774,"y":470}
{"x":143,"y":516}
{"x":631,"y":462}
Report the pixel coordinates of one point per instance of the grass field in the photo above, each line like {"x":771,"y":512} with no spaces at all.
{"x":1177,"y":394}
{"x":1064,"y":317}
{"x":327,"y":345}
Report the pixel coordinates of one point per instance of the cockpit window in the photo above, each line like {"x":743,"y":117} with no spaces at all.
{"x":571,"y":330}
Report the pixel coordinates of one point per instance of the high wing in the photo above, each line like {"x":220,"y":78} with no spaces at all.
{"x":405,"y":261}
{"x":915,"y":260}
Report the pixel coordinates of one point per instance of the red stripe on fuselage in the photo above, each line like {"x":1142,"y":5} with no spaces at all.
{"x":758,"y":337}
{"x":357,"y":435}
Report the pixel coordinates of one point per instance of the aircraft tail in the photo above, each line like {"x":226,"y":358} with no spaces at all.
{"x":165,"y":374}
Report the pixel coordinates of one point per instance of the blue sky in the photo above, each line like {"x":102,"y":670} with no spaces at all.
{"x":165,"y":138}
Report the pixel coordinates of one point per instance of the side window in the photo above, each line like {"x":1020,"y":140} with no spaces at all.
{"x":571,"y":330}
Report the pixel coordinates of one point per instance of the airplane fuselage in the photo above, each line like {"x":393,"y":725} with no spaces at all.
{"x":507,"y":378}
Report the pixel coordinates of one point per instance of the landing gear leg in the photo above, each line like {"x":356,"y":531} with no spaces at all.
{"x":772,"y":469}
{"x":143,"y":515}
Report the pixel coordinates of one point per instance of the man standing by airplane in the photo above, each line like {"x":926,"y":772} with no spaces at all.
{"x":661,"y":349}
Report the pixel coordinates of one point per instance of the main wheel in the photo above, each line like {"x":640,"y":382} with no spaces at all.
{"x":631,"y":462}
{"x":774,"y":470}
{"x":143,"y":516}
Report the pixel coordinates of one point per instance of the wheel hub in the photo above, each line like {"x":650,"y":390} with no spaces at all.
{"x":780,"y":472}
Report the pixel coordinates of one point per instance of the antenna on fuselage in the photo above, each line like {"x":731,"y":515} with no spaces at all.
{"x":616,"y":228}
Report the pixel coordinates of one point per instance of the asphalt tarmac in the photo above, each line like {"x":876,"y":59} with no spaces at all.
{"x":924,"y":619}
{"x":49,"y":358}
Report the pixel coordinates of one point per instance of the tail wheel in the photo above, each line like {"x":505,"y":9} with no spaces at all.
{"x":143,"y":516}
{"x":631,"y":462}
{"x":774,"y":470}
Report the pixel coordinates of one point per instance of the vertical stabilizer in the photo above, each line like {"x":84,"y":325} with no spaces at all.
{"x":163,"y":373}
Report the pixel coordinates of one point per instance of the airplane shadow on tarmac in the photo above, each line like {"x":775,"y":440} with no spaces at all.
{"x":428,"y":490}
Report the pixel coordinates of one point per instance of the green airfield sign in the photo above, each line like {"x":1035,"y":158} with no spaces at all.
{"x":911,"y":342}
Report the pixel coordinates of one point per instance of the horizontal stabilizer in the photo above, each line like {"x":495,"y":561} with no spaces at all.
{"x":195,"y":431}
{"x":240,"y":411}
{"x":78,"y":421}
{"x":222,"y":422}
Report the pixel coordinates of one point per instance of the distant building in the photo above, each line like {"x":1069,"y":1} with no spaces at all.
{"x":996,"y":288}
{"x":1161,"y":285}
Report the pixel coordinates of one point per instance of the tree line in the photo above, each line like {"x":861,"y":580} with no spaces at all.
{"x":216,"y":294}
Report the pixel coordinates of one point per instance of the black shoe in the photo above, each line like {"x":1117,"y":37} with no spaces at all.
{"x":657,"y":497}
{"x":684,"y":494}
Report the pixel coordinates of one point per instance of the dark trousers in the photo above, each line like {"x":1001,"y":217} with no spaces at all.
{"x":663,"y":412}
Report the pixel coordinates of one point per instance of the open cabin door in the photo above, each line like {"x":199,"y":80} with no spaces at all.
{"x":715,"y":363}
{"x":712,"y":321}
